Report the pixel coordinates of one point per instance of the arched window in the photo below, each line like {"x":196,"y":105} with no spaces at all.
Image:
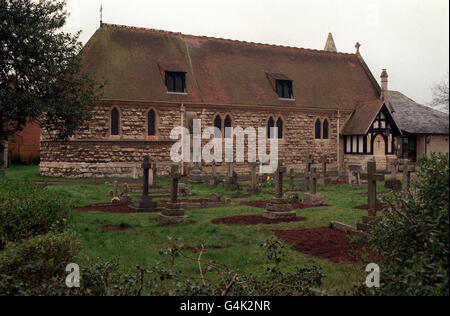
{"x":114,"y":122}
{"x":280,"y":127}
{"x":325,"y":129}
{"x":226,"y":124}
{"x":270,"y":124}
{"x":151,"y":123}
{"x":218,"y":125}
{"x":318,"y":129}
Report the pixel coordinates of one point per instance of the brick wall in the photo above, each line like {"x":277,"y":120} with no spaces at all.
{"x":26,"y":143}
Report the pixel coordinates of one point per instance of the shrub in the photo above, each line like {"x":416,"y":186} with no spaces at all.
{"x":37,"y":266}
{"x":413,"y":237}
{"x":28,"y":210}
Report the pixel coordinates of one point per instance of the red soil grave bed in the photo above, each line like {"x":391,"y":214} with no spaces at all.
{"x":116,"y":228}
{"x":119,"y":208}
{"x":380,"y":207}
{"x":327,"y":243}
{"x":162,"y":224}
{"x":238,"y":196}
{"x":338,"y":182}
{"x":295,"y":205}
{"x":253,"y":220}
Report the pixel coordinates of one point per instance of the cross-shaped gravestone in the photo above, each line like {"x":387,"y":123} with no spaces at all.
{"x":175,"y":177}
{"x":279,"y":182}
{"x":146,"y":165}
{"x":308,"y":161}
{"x":145,"y":203}
{"x":313,"y":182}
{"x":324,"y":161}
{"x":291,"y":179}
{"x":408,"y":167}
{"x":372,"y":177}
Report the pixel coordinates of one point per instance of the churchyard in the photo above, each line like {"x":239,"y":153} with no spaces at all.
{"x":229,"y":216}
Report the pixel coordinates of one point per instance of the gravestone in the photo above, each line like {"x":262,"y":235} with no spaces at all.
{"x":408,"y":167}
{"x":372,"y":177}
{"x":183,"y":190}
{"x":114,"y":192}
{"x":196,"y":174}
{"x":304,"y":183}
{"x":173,"y":213}
{"x":214,"y":181}
{"x":324,"y":180}
{"x":124,"y":196}
{"x":354,"y":175}
{"x":312,"y":198}
{"x":145,"y":204}
{"x":278,"y":207}
{"x":291,"y":194}
{"x":254,"y":187}
{"x":393,"y":183}
{"x":152,"y":176}
{"x":232,"y":183}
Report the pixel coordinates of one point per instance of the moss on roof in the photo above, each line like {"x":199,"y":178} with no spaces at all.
{"x":226,"y":71}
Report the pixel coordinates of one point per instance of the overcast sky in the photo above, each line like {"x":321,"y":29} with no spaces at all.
{"x":408,"y":37}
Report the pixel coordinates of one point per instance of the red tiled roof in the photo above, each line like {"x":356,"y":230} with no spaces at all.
{"x":222,"y":71}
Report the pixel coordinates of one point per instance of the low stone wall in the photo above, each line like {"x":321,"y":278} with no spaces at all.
{"x":381,"y":161}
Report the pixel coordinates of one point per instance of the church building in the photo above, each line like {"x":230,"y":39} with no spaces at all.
{"x":323,"y":102}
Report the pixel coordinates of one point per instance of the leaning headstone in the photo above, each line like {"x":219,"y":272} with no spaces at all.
{"x":278,"y":207}
{"x":196,"y":174}
{"x":312,"y":197}
{"x":324,"y":180}
{"x":114,"y":192}
{"x":254,"y":187}
{"x":372,"y":177}
{"x":214,"y":181}
{"x":173,"y":213}
{"x":291,"y":194}
{"x":145,"y":204}
{"x":408,"y":167}
{"x":393,"y":183}
{"x":354,"y":175}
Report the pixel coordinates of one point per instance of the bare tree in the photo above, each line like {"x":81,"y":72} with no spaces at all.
{"x":440,"y":99}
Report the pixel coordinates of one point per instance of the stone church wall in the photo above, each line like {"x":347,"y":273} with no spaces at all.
{"x":93,"y":152}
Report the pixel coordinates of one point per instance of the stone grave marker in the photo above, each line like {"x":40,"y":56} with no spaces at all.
{"x":196,"y":174}
{"x":254,"y":187}
{"x":393,"y":183}
{"x":312,"y":198}
{"x":115,"y":191}
{"x":145,"y":204}
{"x":304,"y":183}
{"x":152,"y":175}
{"x":214,"y":181}
{"x":173,"y":213}
{"x":354,"y":175}
{"x":408,"y":167}
{"x":372,"y":177}
{"x":183,"y":190}
{"x":232,"y":183}
{"x":324,"y":180}
{"x":124,"y":196}
{"x":278,"y":207}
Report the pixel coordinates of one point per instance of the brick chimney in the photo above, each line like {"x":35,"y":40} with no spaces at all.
{"x":384,"y":87}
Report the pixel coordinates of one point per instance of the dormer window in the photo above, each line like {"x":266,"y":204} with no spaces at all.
{"x":175,"y":81}
{"x":284,"y":89}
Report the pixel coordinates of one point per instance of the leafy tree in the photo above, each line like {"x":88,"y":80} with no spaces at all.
{"x":41,"y":76}
{"x":413,"y":237}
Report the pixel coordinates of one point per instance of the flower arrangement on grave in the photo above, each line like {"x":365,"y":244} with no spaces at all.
{"x":268,"y":182}
{"x":115,"y":200}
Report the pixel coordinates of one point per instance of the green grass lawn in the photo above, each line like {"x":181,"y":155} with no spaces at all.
{"x":241,"y":244}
